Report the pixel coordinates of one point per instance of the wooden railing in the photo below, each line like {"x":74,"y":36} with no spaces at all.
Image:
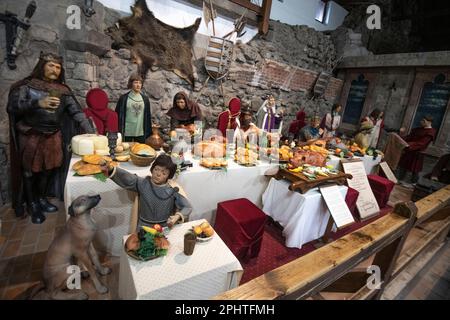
{"x":331,"y":268}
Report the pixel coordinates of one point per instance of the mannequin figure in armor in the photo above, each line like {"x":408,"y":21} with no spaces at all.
{"x":44,"y":115}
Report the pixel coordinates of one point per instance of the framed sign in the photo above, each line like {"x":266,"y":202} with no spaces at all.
{"x":367,"y":203}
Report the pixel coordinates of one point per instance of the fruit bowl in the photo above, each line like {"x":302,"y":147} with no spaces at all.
{"x":204,"y":232}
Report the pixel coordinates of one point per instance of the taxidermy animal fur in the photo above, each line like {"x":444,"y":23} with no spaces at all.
{"x":154,"y":43}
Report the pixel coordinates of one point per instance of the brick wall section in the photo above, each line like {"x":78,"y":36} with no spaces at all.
{"x":334,"y":89}
{"x":272,"y":74}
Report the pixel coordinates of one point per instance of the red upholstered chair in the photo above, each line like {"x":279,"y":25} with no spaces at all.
{"x":381,"y":188}
{"x":240,"y":224}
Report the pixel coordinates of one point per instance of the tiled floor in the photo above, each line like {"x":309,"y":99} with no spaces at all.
{"x":23,"y":248}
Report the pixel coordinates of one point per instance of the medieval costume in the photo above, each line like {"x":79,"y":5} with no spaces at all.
{"x":309,"y":133}
{"x":105,"y":120}
{"x":229,"y":118}
{"x":247,"y":131}
{"x":376,"y":118}
{"x":364,"y":134}
{"x":133,"y":110}
{"x":44,"y":116}
{"x":181,"y":117}
{"x":331,"y":121}
{"x":268,"y":117}
{"x":418,"y":140}
{"x":157,"y":202}
{"x":297,"y":125}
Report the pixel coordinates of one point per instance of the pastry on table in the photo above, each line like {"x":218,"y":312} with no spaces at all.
{"x":89,"y":169}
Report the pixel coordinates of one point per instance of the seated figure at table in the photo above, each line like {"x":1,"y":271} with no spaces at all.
{"x":229,"y":118}
{"x":297,"y":125}
{"x":159,"y":201}
{"x":418,"y":140}
{"x":364,"y":135}
{"x":247,"y":131}
{"x":184,"y":113}
{"x":312,"y":131}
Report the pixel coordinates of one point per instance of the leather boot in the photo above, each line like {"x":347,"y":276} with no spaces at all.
{"x":34,"y":210}
{"x":47,"y":206}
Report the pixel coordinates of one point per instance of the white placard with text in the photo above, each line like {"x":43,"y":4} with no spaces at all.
{"x":367,"y":203}
{"x":337,"y":206}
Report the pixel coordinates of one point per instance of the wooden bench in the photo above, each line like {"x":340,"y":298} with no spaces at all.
{"x":333,"y":267}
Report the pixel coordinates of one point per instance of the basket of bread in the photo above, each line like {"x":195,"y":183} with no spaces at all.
{"x":142,"y":155}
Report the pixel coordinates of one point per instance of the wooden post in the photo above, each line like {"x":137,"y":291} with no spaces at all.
{"x":265,"y":16}
{"x":387,"y":257}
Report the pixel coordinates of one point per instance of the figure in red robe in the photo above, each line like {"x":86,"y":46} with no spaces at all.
{"x":229,"y":118}
{"x":297,"y":125}
{"x":418,"y":140}
{"x":105,"y":119}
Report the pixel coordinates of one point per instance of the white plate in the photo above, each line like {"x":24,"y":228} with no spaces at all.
{"x":204,"y":239}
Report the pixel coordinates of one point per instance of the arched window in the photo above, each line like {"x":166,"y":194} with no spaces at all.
{"x":355,"y":100}
{"x":433,"y":101}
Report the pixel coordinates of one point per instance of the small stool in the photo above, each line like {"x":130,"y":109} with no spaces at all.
{"x":381,"y":188}
{"x":240,"y":224}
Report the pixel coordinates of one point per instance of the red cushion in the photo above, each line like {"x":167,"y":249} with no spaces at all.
{"x":381,"y":188}
{"x":350,"y":199}
{"x":240,"y":224}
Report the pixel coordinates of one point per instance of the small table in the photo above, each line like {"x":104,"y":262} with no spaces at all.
{"x":212,"y":269}
{"x":304,"y":217}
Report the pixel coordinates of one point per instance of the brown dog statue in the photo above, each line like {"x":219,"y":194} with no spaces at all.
{"x":72,"y":245}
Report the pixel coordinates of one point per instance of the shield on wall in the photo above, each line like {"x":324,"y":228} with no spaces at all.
{"x":219,"y":56}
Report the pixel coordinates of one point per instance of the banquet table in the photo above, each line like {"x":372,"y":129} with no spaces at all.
{"x":204,"y":188}
{"x":212,"y":269}
{"x":304,"y":217}
{"x":370,"y":163}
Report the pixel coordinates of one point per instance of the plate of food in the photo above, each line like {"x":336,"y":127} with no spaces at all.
{"x":147,"y":244}
{"x":214,"y":163}
{"x":204,"y":232}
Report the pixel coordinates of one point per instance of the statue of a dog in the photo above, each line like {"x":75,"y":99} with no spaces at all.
{"x":72,"y":245}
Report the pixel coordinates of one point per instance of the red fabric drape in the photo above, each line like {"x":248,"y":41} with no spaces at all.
{"x":105,"y":120}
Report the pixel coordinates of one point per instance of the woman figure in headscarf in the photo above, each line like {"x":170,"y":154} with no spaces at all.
{"x":105,"y":120}
{"x":376,"y":118}
{"x":268,"y":117}
{"x":184,"y":113}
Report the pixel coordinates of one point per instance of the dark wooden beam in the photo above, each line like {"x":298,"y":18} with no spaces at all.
{"x":248,"y":5}
{"x":227,"y":9}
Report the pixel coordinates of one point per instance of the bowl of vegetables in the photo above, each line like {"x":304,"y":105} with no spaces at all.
{"x":147,"y":244}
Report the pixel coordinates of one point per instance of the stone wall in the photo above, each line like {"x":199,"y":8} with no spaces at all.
{"x":286,"y":62}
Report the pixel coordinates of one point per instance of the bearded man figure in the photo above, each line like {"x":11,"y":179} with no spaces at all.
{"x":43,"y":117}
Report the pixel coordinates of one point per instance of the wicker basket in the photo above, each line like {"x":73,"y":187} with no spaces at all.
{"x":141,"y":161}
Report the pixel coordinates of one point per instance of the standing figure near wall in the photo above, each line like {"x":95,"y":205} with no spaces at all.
{"x":184,"y":113}
{"x":418,"y":140}
{"x":44,"y":116}
{"x":269,"y":117}
{"x":133,"y":110}
{"x":331,"y":121}
{"x":297,"y":125}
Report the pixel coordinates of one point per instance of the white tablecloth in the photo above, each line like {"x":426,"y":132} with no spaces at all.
{"x":304,"y":217}
{"x":204,"y":188}
{"x":369,"y":163}
{"x":212,"y":269}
